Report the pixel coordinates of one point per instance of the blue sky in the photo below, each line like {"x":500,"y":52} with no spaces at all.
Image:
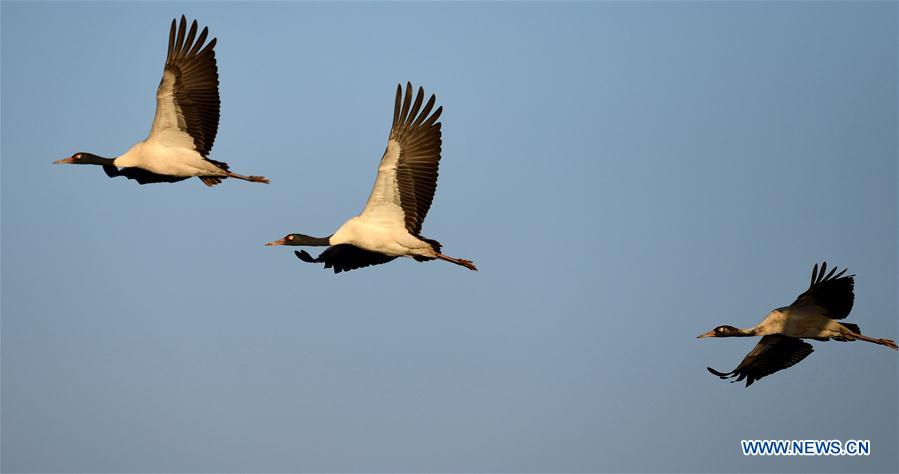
{"x":625,"y":176}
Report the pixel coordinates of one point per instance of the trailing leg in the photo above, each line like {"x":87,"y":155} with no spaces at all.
{"x":883,"y":342}
{"x":254,"y":179}
{"x":458,"y":261}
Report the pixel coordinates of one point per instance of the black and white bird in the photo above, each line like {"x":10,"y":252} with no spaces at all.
{"x":813,"y":315}
{"x":186,"y":122}
{"x":390,"y":225}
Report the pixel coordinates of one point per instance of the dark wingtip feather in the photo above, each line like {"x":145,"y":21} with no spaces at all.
{"x":719,"y":374}
{"x":179,"y":40}
{"x":203,"y":35}
{"x":191,"y":34}
{"x":407,"y":101}
{"x":171,"y":39}
{"x":419,"y":98}
{"x":209,"y":46}
{"x":396,"y":104}
{"x":202,"y":39}
{"x":434,"y":118}
{"x":304,"y":256}
{"x":425,"y":111}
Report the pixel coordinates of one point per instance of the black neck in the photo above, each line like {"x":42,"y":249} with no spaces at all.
{"x":300,"y":239}
{"x":91,"y":159}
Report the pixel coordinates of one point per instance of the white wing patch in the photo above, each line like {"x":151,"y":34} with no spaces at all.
{"x":383,"y":206}
{"x":169,"y":125}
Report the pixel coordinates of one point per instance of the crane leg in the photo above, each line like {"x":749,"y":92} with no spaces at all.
{"x":254,"y":179}
{"x":883,"y":342}
{"x":458,"y":261}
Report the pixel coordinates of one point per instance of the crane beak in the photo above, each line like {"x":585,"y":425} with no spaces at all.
{"x":708,"y":334}
{"x":65,"y":161}
{"x":276,"y":242}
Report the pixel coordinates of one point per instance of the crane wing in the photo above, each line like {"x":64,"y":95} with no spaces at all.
{"x":407,"y":175}
{"x":187,"y":100}
{"x":832,"y":295}
{"x":771,"y":354}
{"x":141,"y":175}
{"x":345,"y":257}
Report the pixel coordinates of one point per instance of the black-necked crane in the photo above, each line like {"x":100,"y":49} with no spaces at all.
{"x":390,"y":224}
{"x":186,"y":122}
{"x":813,"y":315}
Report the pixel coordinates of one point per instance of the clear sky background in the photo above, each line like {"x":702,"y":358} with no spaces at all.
{"x":626,"y":176}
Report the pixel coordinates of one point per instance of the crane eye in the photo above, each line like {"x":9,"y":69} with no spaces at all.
{"x":289,"y":237}
{"x":78,"y":156}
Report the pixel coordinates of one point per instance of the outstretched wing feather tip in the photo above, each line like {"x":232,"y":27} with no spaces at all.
{"x":719,"y":374}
